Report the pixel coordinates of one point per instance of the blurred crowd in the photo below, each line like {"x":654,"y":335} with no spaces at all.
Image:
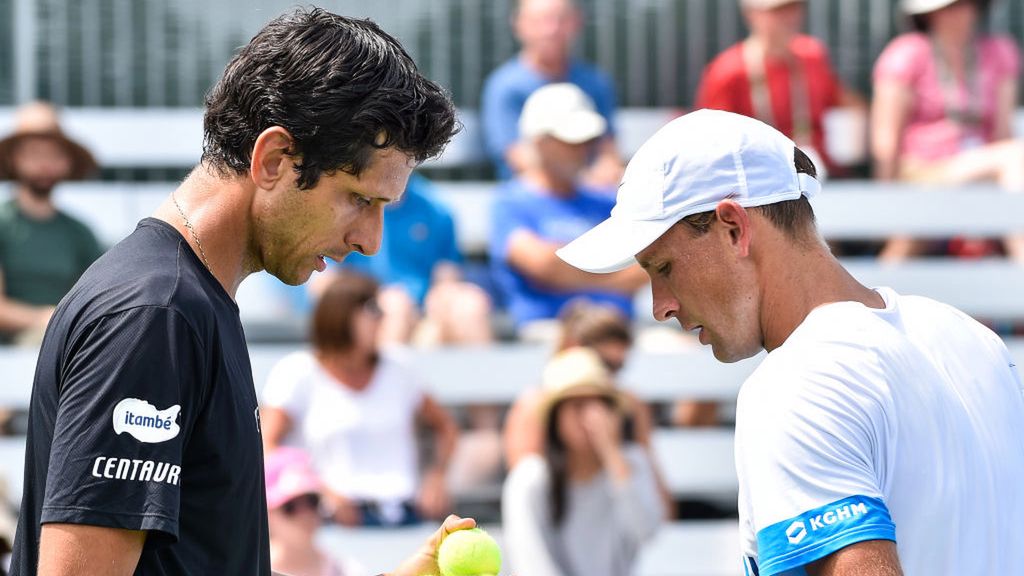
{"x":353,"y":436}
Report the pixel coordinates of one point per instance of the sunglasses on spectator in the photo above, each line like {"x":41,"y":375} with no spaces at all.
{"x":304,"y":502}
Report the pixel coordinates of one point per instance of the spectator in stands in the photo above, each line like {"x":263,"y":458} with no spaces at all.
{"x":355,"y":411}
{"x":944,"y":102}
{"x":545,"y":207}
{"x":588,"y":504}
{"x":293,"y":515}
{"x":607,"y":332}
{"x":424,"y":298}
{"x":43,"y":250}
{"x":778,"y":75}
{"x":547,"y":30}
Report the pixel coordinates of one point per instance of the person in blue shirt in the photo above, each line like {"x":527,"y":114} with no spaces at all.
{"x":423,"y":296}
{"x":545,"y":207}
{"x":547,"y":30}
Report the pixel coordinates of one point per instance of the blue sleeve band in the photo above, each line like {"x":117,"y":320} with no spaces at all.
{"x":817,"y":533}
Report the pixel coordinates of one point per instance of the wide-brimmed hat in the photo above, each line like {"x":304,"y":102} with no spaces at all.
{"x":40,"y":120}
{"x":577,"y":372}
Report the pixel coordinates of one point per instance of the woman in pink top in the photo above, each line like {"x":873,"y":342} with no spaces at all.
{"x":944,"y":99}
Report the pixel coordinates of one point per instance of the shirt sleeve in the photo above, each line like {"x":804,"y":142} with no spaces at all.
{"x":500,"y":109}
{"x":1007,"y":57}
{"x":285,"y":388}
{"x":506,"y":218}
{"x":903,"y":59}
{"x":806,"y":459}
{"x":132,"y":386}
{"x":526,"y":520}
{"x":604,"y":99}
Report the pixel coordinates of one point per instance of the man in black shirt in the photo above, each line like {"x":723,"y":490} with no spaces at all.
{"x":144,"y":451}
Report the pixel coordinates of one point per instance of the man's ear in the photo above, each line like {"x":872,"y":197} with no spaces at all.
{"x":735,"y":222}
{"x":271,"y":160}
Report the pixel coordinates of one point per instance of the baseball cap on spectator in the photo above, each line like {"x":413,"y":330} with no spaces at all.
{"x":914,"y":7}
{"x":688,"y":167}
{"x":767,"y":4}
{"x":562,"y":111}
{"x":577,"y":372}
{"x":289,"y":475}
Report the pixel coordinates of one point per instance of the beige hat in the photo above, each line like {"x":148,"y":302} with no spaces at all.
{"x":766,"y":4}
{"x":39,"y":120}
{"x":563,"y":111}
{"x":576,"y":373}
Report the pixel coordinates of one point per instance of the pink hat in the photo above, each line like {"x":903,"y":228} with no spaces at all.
{"x":289,"y":475}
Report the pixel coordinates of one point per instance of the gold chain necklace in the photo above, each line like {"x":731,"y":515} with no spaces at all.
{"x":192,"y":230}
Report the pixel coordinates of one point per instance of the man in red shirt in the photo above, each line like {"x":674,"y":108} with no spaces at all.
{"x":777,"y":75}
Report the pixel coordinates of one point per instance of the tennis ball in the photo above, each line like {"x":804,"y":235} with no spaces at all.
{"x":469,"y":553}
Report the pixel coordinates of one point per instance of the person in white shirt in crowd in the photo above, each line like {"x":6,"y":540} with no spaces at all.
{"x":881,"y":435}
{"x":587,"y":505}
{"x":293,"y":505}
{"x":356,"y":412}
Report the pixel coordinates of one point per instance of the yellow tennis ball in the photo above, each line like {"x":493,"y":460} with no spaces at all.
{"x":469,"y":553}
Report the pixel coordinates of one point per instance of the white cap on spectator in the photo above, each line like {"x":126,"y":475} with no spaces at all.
{"x":766,"y":4}
{"x":914,"y":7}
{"x":563,"y":111}
{"x":688,"y":167}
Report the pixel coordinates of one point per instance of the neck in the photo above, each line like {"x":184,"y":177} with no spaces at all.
{"x":771,"y":46}
{"x":219,"y":210}
{"x":545,"y":65}
{"x":353,"y":368}
{"x":951,"y":43}
{"x":548,"y":182}
{"x":802,"y":279}
{"x":35,"y":207}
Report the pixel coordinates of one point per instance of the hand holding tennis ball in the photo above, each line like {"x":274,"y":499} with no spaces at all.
{"x":469,"y":553}
{"x":445,"y":552}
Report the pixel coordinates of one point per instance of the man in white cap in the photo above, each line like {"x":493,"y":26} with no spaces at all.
{"x":882,"y":433}
{"x":545,"y":207}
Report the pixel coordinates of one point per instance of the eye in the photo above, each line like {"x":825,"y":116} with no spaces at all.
{"x":361,"y":201}
{"x":664,"y":270}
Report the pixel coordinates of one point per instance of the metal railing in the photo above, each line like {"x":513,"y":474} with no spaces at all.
{"x":168,"y":52}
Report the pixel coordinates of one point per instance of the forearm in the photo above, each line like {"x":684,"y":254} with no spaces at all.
{"x":447,"y":437}
{"x":16,"y":316}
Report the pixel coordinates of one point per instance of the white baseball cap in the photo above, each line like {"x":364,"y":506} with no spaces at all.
{"x":915,"y":7}
{"x":766,"y":4}
{"x":688,"y":167}
{"x":563,"y":111}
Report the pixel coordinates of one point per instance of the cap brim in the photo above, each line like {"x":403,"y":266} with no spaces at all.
{"x":613,"y":244}
{"x":582,"y":127}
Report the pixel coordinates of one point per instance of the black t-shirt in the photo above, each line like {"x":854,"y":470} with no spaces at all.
{"x":144,"y":415}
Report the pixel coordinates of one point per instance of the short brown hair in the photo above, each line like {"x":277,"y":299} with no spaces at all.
{"x":794,"y":217}
{"x":331,"y":328}
{"x":585,"y":323}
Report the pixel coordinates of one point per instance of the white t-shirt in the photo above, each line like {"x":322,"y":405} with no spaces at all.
{"x":361,"y":443}
{"x":904,"y":423}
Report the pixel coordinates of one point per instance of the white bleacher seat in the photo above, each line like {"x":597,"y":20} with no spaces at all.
{"x":692,"y":548}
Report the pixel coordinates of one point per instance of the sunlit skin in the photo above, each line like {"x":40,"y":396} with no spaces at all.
{"x":40,"y":163}
{"x":343,"y":213}
{"x":547,"y":30}
{"x":745,"y":284}
{"x":955,"y":23}
{"x":261,"y":220}
{"x":776,"y":26}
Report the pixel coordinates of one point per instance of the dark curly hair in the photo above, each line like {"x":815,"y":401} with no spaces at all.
{"x":342,"y":87}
